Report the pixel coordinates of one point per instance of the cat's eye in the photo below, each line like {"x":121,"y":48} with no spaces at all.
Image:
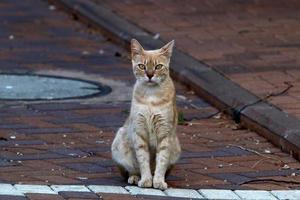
{"x":141,"y":66}
{"x":159,"y":66}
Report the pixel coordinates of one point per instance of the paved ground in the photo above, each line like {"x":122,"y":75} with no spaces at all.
{"x":68,"y":142}
{"x":254,"y":43}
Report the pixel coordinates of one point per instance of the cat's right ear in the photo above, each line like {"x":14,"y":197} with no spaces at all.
{"x":136,"y":48}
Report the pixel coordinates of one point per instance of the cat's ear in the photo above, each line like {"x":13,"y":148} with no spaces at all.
{"x":168,"y":49}
{"x":136,"y":48}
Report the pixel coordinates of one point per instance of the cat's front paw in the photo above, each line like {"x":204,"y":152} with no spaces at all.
{"x":133,"y":179}
{"x":160,"y":183}
{"x":145,"y":182}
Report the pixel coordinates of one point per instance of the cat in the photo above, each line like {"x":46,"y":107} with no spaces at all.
{"x":146,"y":147}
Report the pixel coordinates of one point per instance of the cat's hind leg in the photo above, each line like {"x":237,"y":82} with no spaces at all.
{"x":123,"y":155}
{"x":175,"y":151}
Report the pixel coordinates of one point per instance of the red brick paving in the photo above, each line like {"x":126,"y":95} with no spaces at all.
{"x":254,"y":43}
{"x":68,"y":142}
{"x":44,"y":197}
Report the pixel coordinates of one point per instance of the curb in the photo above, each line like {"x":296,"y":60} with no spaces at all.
{"x":254,"y":113}
{"x":20,"y":190}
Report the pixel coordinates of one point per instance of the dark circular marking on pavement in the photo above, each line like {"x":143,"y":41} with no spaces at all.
{"x":36,"y":87}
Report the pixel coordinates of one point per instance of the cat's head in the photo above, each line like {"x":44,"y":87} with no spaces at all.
{"x":151,"y":67}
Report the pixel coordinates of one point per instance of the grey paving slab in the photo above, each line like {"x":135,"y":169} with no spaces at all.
{"x":8,"y":189}
{"x":187,"y":193}
{"x":219,"y":194}
{"x":36,"y":189}
{"x":144,"y":191}
{"x":255,"y":195}
{"x":286,"y":194}
{"x":107,"y":189}
{"x":70,"y":188}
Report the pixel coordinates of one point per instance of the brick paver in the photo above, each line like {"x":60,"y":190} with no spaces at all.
{"x":68,"y":142}
{"x":254,"y":43}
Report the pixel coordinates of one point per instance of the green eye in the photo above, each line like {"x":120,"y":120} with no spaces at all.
{"x":141,"y":66}
{"x":159,"y":66}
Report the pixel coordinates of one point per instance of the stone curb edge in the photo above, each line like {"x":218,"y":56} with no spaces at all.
{"x":23,"y":189}
{"x":277,"y":126}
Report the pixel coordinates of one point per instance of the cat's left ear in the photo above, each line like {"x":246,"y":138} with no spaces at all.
{"x":168,"y":49}
{"x":136,"y":48}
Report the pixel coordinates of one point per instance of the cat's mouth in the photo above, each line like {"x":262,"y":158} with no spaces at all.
{"x":150,"y":82}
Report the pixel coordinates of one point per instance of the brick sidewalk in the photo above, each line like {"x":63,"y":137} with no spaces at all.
{"x":255,"y":44}
{"x":68,"y":142}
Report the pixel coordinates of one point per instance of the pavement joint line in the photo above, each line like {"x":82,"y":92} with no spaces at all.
{"x":22,"y":189}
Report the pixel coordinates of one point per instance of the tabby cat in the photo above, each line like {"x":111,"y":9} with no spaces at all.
{"x":147,"y":146}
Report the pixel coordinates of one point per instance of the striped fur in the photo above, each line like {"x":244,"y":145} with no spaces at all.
{"x":147,"y":146}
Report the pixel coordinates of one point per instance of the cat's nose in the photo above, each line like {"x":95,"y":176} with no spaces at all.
{"x":150,"y":75}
